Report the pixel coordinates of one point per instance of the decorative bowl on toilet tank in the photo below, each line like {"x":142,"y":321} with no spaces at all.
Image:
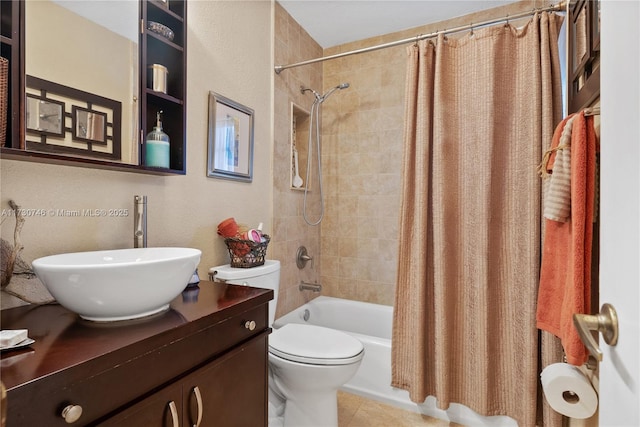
{"x":118,"y":284}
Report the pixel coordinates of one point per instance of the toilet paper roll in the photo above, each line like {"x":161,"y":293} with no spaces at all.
{"x":568,"y":391}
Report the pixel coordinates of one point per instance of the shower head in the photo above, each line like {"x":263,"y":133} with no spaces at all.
{"x":333,"y":89}
{"x":321,"y":98}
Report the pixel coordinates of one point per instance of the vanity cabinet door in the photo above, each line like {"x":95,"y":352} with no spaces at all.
{"x":232,"y":390}
{"x":161,"y":409}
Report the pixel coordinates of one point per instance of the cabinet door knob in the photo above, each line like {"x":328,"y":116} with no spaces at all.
{"x":196,"y":393}
{"x":250,"y":324}
{"x":71,"y":413}
{"x":174,"y":414}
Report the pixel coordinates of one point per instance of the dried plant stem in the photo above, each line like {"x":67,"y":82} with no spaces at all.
{"x":17,"y":244}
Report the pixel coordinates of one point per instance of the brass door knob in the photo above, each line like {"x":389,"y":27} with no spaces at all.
{"x":605,"y":322}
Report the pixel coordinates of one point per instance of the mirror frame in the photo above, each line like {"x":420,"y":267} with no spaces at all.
{"x":18,"y":93}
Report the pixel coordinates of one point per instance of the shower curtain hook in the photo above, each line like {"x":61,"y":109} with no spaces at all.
{"x":507,"y":19}
{"x":415,"y":44}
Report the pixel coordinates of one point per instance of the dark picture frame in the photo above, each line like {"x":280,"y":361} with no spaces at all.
{"x":45,"y":116}
{"x":89,"y":125}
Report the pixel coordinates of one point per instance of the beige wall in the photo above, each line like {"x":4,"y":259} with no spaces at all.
{"x":229,"y":52}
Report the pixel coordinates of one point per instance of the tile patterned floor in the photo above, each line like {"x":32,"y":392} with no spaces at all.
{"x":357,"y":411}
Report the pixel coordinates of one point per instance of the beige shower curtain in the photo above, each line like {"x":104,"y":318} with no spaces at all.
{"x":479,"y":112}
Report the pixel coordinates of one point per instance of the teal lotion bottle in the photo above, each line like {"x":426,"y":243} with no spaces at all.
{"x":157,"y":146}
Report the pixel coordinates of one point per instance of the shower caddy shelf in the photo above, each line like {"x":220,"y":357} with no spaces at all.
{"x":299,"y":132}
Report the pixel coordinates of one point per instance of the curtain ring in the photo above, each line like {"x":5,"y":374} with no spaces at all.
{"x":471,"y":32}
{"x":415,"y":44}
{"x":506,"y":24}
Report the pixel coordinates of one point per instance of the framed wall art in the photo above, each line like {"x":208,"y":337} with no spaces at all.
{"x":230,"y":148}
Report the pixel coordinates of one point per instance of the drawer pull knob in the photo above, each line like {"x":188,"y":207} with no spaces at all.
{"x":250,"y":324}
{"x":72,"y":413}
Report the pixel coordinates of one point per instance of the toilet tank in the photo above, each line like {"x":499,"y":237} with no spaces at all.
{"x":265,"y":276}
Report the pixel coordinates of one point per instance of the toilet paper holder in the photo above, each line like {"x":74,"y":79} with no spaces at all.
{"x":605,"y":322}
{"x":592,"y":363}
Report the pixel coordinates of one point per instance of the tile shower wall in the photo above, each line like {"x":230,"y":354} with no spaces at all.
{"x":292,"y":44}
{"x":362,"y":130}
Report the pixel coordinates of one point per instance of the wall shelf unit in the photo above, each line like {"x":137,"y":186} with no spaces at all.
{"x":172,"y":54}
{"x":584,"y":53}
{"x":299,"y":145}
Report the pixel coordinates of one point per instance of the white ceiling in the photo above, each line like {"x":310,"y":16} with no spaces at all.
{"x":334,"y":22}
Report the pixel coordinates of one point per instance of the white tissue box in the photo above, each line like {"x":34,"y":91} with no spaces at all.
{"x":11,"y":337}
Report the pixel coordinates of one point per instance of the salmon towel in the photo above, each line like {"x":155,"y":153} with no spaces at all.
{"x":565,"y":274}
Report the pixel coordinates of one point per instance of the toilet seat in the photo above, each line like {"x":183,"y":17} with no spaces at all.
{"x":315,"y":345}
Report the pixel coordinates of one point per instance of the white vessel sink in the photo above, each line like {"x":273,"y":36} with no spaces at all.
{"x":119,"y":284}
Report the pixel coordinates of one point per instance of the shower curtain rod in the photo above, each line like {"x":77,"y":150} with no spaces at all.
{"x":557,"y":7}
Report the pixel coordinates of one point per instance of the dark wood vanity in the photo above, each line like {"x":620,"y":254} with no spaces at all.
{"x":203,"y":362}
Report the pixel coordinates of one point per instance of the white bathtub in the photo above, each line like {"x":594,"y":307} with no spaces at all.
{"x":371,"y":324}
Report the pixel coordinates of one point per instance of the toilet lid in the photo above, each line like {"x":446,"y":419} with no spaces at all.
{"x":315,"y":345}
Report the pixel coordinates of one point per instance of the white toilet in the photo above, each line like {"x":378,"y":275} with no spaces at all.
{"x":307,"y":364}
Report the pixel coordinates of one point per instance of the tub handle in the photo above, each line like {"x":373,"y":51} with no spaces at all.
{"x":302,"y":257}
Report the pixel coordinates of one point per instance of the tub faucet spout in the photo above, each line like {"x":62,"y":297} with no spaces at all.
{"x":139,"y":221}
{"x":314,"y":287}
